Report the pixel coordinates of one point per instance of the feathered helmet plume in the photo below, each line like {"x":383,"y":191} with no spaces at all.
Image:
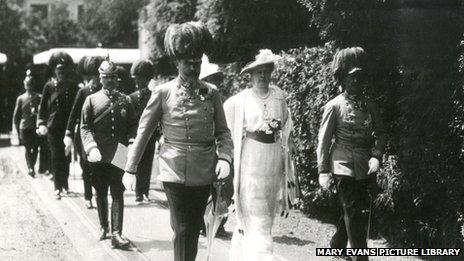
{"x":187,"y":40}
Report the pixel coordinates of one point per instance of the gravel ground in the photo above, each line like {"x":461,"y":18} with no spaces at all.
{"x":28,"y":231}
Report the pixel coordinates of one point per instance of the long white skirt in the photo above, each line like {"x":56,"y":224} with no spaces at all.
{"x":261,"y":173}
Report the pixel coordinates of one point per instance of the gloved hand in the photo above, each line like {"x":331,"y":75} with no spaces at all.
{"x":222,"y":169}
{"x":374,"y":166}
{"x":43,"y":130}
{"x":324,"y":180}
{"x":129,"y":181}
{"x":94,"y":155}
{"x":68,"y":144}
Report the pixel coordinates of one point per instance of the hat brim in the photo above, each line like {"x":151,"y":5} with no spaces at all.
{"x":249,"y":67}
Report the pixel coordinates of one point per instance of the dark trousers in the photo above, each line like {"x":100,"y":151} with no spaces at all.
{"x":60,"y":162}
{"x":44,"y":155}
{"x":187,"y":207}
{"x":31,"y":143}
{"x":106,"y":176}
{"x":355,"y":202}
{"x":142,"y":185}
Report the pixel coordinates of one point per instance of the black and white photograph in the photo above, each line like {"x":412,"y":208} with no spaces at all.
{"x":231,"y":130}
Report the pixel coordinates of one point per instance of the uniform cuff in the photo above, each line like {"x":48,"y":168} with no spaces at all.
{"x":226,"y":160}
{"x":223,"y":156}
{"x":377,"y":154}
{"x":323,"y":169}
{"x":68,"y":133}
{"x":90,"y":146}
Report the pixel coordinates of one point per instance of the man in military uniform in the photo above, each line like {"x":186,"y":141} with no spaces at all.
{"x":91,"y":85}
{"x":142,"y":72}
{"x":24,"y":120}
{"x":55,"y":106}
{"x":197,"y":146}
{"x":108,"y":118}
{"x":351,"y":144}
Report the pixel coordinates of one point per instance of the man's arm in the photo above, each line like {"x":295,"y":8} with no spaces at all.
{"x":87,"y":134}
{"x":75,"y":113}
{"x":42,"y":116}
{"x":147,"y":124}
{"x":380,"y":134}
{"x":326,"y":132}
{"x":17,"y":114}
{"x":221,"y":131}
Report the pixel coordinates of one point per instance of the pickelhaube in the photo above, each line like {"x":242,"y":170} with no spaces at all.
{"x":107,"y":68}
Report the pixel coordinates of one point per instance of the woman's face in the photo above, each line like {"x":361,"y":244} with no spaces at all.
{"x":261,"y":76}
{"x":189,"y":69}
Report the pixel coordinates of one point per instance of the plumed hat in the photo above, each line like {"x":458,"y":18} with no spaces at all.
{"x":60,"y":59}
{"x":347,"y":61}
{"x":28,"y":77}
{"x":265,"y":56}
{"x":143,"y":69}
{"x":107,"y":68}
{"x":187,"y":40}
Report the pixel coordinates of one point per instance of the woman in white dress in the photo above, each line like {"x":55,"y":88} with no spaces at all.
{"x":260,"y":124}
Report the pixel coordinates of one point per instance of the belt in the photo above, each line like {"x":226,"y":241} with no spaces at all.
{"x":261,"y":137}
{"x":186,"y":143}
{"x":354,"y":145}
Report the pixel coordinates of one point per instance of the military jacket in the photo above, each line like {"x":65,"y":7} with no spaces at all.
{"x":351,"y":133}
{"x":75,"y":115}
{"x":118,"y":125}
{"x":56,"y":104}
{"x":195,"y":133}
{"x":25,"y":112}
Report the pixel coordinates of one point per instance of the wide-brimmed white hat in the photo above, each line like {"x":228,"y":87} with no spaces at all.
{"x":265,"y":56}
{"x":207,"y":68}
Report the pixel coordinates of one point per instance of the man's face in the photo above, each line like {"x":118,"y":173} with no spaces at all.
{"x":61,"y":73}
{"x":27,"y":84}
{"x":189,"y":69}
{"x":109,"y":81}
{"x":355,"y":82}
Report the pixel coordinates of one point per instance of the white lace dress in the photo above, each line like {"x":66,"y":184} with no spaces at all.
{"x":261,"y":175}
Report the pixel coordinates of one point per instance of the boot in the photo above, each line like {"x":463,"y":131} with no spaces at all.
{"x":117,"y":216}
{"x":102,"y":209}
{"x":117,"y":241}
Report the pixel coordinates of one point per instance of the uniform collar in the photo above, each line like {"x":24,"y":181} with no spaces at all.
{"x":351,"y":97}
{"x":109,"y":92}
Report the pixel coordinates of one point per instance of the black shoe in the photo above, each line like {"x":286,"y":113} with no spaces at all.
{"x":103,"y":233}
{"x":58,"y":194}
{"x":139,"y":199}
{"x":31,"y":173}
{"x":117,"y":241}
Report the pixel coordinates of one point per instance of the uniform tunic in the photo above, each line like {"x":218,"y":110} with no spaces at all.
{"x":56,"y":104}
{"x":195,"y":133}
{"x":25,"y":113}
{"x":357,"y":132}
{"x":118,"y":126}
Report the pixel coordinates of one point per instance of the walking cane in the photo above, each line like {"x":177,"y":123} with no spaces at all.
{"x":369,"y":220}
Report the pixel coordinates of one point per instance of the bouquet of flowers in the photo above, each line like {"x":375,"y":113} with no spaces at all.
{"x":271,"y":126}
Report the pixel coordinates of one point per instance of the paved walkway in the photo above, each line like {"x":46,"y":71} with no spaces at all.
{"x":148,"y":228}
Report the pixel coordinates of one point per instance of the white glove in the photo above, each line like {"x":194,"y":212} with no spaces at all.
{"x":324,"y":180}
{"x":129,"y":181}
{"x":94,"y":155}
{"x":222,"y":169}
{"x":374,"y":165}
{"x":68,"y":144}
{"x":43,"y":130}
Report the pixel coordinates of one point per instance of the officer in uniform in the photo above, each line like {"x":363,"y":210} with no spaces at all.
{"x":57,"y":99}
{"x":197,"y":146}
{"x":351,"y":144}
{"x":91,"y":84}
{"x":108,"y":118}
{"x":24,"y":120}
{"x":142,"y":72}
